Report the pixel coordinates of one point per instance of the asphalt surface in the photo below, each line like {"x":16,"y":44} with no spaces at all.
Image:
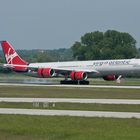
{"x":71,"y":100}
{"x":72,"y":86}
{"x":69,"y":113}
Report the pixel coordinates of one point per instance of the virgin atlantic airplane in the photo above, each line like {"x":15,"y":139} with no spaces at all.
{"x":74,"y":72}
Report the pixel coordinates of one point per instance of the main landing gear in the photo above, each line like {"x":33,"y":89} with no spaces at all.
{"x":74,"y":82}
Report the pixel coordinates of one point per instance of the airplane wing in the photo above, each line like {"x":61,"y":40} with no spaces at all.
{"x":60,"y":69}
{"x":76,"y":69}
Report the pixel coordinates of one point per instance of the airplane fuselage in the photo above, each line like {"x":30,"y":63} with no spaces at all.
{"x":103,"y":67}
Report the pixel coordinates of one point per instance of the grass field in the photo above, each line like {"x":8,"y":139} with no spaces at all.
{"x":74,"y":106}
{"x":68,"y":92}
{"x":22,"y":127}
{"x":17,"y":127}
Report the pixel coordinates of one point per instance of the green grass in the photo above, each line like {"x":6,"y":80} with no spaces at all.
{"x":20,"y":127}
{"x":74,"y":106}
{"x":68,"y":92}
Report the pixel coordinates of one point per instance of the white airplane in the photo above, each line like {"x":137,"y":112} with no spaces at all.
{"x":77,"y":71}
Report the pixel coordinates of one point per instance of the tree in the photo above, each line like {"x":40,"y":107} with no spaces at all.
{"x":109,"y":45}
{"x":78,"y":51}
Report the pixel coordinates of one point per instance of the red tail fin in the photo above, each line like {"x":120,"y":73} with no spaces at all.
{"x":12,"y":58}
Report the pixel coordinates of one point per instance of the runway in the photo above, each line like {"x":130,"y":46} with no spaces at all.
{"x":71,"y":100}
{"x":69,"y":113}
{"x":70,"y":86}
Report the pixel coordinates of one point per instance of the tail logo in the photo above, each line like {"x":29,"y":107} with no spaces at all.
{"x":10,"y":57}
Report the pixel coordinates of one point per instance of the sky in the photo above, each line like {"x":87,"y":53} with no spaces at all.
{"x":53,"y":24}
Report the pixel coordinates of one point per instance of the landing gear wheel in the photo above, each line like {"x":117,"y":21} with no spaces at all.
{"x":74,"y":82}
{"x":84,"y":82}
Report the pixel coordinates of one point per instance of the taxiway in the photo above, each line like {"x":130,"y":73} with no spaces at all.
{"x":70,"y":113}
{"x":72,"y":86}
{"x":71,"y":100}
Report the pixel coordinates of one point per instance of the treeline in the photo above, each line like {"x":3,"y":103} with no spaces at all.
{"x":92,"y":46}
{"x":43,"y":55}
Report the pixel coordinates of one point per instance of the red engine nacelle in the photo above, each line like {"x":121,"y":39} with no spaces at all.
{"x":45,"y":72}
{"x":110,"y":77}
{"x":78,"y":75}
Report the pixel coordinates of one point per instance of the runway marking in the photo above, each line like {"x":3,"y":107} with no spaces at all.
{"x":69,"y":113}
{"x":72,"y":86}
{"x":71,"y":100}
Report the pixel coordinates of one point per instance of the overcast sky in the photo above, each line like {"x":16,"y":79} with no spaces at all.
{"x":50,"y":24}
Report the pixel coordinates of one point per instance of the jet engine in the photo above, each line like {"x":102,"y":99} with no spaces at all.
{"x":45,"y":72}
{"x":110,"y":77}
{"x":78,"y":75}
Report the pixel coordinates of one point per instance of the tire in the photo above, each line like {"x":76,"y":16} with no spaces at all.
{"x":74,"y":82}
